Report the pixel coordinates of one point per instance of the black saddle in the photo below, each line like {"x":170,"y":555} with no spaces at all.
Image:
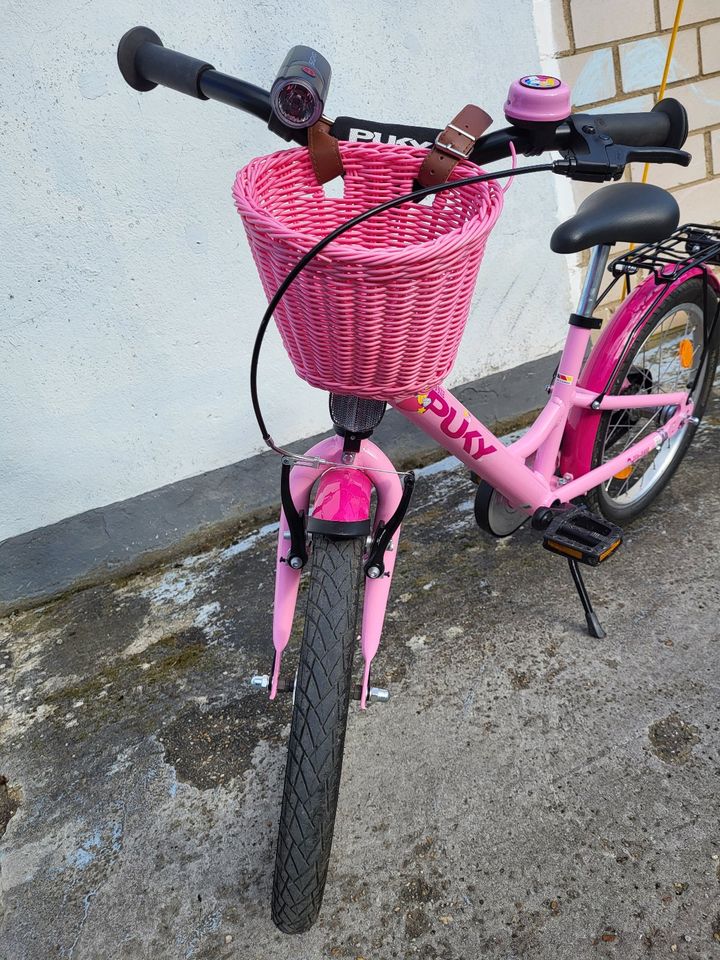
{"x":628,"y":212}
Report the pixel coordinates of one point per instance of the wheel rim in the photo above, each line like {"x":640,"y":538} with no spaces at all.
{"x":502,"y":518}
{"x":660,"y":365}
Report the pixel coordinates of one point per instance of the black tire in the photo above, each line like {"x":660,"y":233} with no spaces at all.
{"x":600,"y":498}
{"x":317,"y":735}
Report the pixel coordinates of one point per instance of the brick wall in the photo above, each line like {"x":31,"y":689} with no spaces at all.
{"x":612,"y":54}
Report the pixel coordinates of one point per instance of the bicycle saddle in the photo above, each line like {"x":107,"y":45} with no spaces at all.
{"x":629,"y":212}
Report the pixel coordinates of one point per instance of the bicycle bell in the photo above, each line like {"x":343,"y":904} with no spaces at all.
{"x":537,"y":103}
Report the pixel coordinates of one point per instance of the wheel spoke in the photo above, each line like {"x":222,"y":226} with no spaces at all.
{"x":661,"y":371}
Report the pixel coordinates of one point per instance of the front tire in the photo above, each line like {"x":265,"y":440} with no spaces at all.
{"x":654,"y":365}
{"x":317,"y":734}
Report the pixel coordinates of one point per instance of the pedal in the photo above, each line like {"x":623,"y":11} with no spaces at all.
{"x":576,"y":533}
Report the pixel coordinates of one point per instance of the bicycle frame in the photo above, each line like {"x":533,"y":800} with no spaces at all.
{"x":524,"y":472}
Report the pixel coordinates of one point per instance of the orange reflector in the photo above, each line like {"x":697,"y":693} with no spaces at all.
{"x":624,"y":473}
{"x":685,"y":349}
{"x":612,"y":549}
{"x":561,"y":548}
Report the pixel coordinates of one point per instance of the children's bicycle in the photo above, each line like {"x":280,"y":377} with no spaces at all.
{"x":371,"y":291}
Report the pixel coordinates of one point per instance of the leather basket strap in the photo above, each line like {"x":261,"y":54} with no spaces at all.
{"x":455,"y":143}
{"x":324,"y":152}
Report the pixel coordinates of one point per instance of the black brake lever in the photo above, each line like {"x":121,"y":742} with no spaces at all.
{"x":654,"y":155}
{"x":592,"y":155}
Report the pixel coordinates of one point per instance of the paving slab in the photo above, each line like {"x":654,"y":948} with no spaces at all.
{"x":528,"y":791}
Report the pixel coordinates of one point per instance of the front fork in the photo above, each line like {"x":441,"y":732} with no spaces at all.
{"x":342,"y":502}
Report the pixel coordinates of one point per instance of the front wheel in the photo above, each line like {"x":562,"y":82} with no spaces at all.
{"x":665,"y":358}
{"x":317,"y":734}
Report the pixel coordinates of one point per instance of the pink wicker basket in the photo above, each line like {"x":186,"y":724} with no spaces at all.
{"x":380,"y":312}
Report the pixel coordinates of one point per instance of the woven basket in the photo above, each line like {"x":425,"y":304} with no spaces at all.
{"x":380,"y":312}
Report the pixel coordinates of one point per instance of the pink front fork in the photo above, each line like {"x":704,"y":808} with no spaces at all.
{"x":343,"y":495}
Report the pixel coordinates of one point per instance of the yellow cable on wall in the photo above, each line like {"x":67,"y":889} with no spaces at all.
{"x":661,"y":94}
{"x":666,"y":71}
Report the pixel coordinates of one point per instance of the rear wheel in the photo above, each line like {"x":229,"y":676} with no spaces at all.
{"x":317,"y":734}
{"x":664,"y":359}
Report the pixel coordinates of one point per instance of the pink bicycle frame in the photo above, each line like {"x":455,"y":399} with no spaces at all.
{"x":525,"y":472}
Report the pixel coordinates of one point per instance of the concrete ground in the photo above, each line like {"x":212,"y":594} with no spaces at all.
{"x":527,"y":792}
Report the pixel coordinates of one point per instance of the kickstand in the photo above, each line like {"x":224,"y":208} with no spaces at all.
{"x":593,"y":624}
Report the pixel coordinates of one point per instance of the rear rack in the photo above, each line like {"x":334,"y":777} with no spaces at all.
{"x":690,"y":246}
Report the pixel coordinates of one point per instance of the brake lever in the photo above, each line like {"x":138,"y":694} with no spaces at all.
{"x":591,"y":154}
{"x":654,"y":155}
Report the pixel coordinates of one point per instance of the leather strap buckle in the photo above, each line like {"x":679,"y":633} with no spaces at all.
{"x":453,"y":144}
{"x":450,"y":148}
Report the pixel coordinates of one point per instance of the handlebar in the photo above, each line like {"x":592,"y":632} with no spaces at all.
{"x":145,"y":63}
{"x":493,"y":146}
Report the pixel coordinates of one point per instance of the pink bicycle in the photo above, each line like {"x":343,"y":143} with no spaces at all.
{"x":377,"y":318}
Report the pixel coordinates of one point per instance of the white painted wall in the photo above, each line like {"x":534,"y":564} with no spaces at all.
{"x":129,"y":298}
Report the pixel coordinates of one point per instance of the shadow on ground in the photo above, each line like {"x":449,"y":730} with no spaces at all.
{"x":527,"y":792}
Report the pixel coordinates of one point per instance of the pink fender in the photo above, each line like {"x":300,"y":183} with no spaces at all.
{"x":582,"y":426}
{"x":343,"y":496}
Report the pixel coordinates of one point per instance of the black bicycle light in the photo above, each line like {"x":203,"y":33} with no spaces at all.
{"x":300,"y":89}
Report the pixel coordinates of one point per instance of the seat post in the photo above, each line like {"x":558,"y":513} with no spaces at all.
{"x":593,"y":278}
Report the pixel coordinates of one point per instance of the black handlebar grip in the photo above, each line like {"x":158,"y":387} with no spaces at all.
{"x":635,"y":129}
{"x":677,"y":115}
{"x":144,"y":63}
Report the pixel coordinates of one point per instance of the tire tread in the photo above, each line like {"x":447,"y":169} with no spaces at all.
{"x":317,"y":735}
